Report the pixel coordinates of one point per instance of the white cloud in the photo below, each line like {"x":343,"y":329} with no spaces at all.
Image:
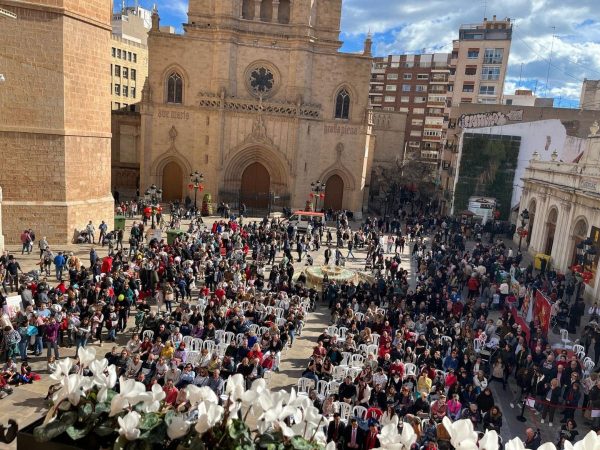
{"x":406,"y":26}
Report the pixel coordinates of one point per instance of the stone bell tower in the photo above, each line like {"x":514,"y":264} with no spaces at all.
{"x":55,"y":134}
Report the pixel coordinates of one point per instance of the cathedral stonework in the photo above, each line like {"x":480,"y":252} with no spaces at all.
{"x":261,"y":105}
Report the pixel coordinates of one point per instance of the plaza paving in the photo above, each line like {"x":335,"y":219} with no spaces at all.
{"x":27,"y":402}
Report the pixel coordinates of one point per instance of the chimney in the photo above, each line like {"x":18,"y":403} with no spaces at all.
{"x":494,"y":17}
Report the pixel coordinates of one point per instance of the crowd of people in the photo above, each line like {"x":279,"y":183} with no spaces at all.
{"x":227,"y":299}
{"x":430,"y":349}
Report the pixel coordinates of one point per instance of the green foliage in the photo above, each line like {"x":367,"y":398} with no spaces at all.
{"x":45,"y":433}
{"x":487,"y":168}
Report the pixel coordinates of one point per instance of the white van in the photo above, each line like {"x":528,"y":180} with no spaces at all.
{"x":300,"y":219}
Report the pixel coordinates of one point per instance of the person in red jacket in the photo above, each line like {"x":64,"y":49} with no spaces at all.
{"x":473,"y":286}
{"x":107,"y":265}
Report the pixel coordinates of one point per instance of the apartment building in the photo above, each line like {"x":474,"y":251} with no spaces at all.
{"x":418,"y":86}
{"x":590,"y":95}
{"x":479,"y":61}
{"x":129,"y":56}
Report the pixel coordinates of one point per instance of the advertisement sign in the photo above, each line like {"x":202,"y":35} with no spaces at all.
{"x":542,"y":311}
{"x":482,"y":207}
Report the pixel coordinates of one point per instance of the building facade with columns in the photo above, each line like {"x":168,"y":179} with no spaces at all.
{"x":563,"y":201}
{"x":256,"y":96}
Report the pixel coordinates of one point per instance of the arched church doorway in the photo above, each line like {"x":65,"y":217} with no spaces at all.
{"x":532,"y":207}
{"x":580,"y":233}
{"x":256,"y":186}
{"x":334,"y":193}
{"x":172,"y":182}
{"x":550,"y":230}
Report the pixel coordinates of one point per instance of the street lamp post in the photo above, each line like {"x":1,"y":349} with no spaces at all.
{"x":522,"y":231}
{"x":154,"y":196}
{"x":196,"y":180}
{"x":317,"y":190}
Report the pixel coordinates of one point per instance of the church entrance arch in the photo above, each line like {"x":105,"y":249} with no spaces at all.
{"x":550,"y":230}
{"x":256,"y":186}
{"x":334,"y":193}
{"x":172,"y":182}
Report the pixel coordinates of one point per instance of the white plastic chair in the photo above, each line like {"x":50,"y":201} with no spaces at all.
{"x":334,"y":387}
{"x":192,"y":357}
{"x":359,"y":411}
{"x":588,"y":365}
{"x":359,"y":316}
{"x":148,"y":333}
{"x":221,"y":349}
{"x":344,"y":409}
{"x":333,"y":330}
{"x":210,"y":346}
{"x":254,"y":328}
{"x":357,"y":360}
{"x":339,"y":372}
{"x":196,"y":344}
{"x":410,"y":370}
{"x":322,"y":389}
{"x":228,"y":337}
{"x":346,"y":358}
{"x":577,"y":349}
{"x":375,"y":337}
{"x":564,"y":338}
{"x":446,"y":339}
{"x":353,"y":372}
{"x":219,"y":334}
{"x":187,"y":340}
{"x":372,"y":350}
{"x":239,"y":338}
{"x":262,"y":330}
{"x":305,"y":385}
{"x":342,"y":332}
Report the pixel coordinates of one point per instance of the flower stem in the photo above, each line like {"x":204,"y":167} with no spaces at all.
{"x":312,"y":439}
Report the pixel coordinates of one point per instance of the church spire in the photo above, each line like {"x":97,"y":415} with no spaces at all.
{"x":368,"y":45}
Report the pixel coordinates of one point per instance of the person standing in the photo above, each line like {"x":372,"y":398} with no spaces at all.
{"x":353,"y":435}
{"x":12,"y":272}
{"x":43,"y":246}
{"x":51,"y":337}
{"x":25,"y":241}
{"x":91,"y":230}
{"x":103,"y":228}
{"x":59,"y":265}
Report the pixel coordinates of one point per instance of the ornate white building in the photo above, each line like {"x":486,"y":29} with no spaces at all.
{"x":563,"y":201}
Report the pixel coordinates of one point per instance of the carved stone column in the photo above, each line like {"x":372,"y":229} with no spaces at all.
{"x":257,"y":4}
{"x":1,"y":235}
{"x":275,"y":17}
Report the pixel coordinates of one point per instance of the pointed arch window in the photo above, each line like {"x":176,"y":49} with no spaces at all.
{"x":175,"y":88}
{"x":342,"y":104}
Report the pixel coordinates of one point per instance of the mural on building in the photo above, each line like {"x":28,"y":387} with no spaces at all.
{"x":489,"y":119}
{"x":487,"y":169}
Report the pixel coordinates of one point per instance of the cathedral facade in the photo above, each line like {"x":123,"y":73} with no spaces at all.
{"x":256,"y":95}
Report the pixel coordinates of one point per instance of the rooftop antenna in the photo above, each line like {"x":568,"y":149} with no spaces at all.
{"x":520,"y":75}
{"x":484,"y":8}
{"x":550,"y":59}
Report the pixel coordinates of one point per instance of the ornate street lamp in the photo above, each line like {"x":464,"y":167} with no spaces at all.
{"x":196,"y":180}
{"x":153,"y":196}
{"x":522,"y":229}
{"x":317,"y":191}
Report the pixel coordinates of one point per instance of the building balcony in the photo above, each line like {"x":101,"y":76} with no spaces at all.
{"x":374,"y":82}
{"x":432,"y":104}
{"x":432,"y":139}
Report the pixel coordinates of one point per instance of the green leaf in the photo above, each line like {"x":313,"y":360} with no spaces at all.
{"x":78,"y":433}
{"x":149,"y":421}
{"x":299,"y":443}
{"x":85,"y":410}
{"x":238,"y":429}
{"x":156,"y":435}
{"x":169,"y":416}
{"x":102,"y":407}
{"x":121,"y":443}
{"x":45,"y":433}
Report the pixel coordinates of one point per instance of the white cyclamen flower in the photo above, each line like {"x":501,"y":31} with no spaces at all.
{"x":209,"y":414}
{"x":105,"y":381}
{"x":514,"y":444}
{"x":178,"y":428}
{"x":129,"y":426}
{"x":197,"y":395}
{"x":73,"y":387}
{"x":591,"y":441}
{"x":153,"y":398}
{"x":462,"y":435}
{"x":63,"y":368}
{"x":489,"y":441}
{"x":86,"y":356}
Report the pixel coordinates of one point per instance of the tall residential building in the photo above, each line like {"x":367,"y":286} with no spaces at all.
{"x":479,"y":60}
{"x":418,"y":86}
{"x":129,"y":56}
{"x":590,"y":95}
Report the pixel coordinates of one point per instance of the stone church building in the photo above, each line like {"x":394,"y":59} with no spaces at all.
{"x":256,"y":95}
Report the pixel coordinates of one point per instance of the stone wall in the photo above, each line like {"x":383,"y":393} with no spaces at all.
{"x":55,"y":143}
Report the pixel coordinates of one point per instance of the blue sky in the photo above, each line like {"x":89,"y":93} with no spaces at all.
{"x":408,"y":26}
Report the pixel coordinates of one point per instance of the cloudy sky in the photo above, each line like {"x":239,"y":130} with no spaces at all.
{"x":408,"y":26}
